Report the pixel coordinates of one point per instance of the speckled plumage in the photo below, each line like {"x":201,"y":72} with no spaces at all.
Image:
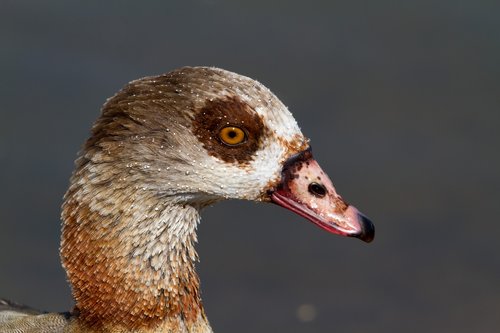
{"x":131,"y":211}
{"x":154,"y":159}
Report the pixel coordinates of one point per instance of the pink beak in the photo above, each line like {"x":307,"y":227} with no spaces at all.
{"x":306,"y":190}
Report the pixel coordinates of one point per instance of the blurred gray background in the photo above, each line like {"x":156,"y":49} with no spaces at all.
{"x":400,"y":98}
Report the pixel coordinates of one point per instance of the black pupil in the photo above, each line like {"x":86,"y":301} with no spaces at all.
{"x":318,"y":190}
{"x":232,"y":134}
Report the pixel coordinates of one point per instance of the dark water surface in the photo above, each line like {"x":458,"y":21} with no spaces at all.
{"x":401,"y":101}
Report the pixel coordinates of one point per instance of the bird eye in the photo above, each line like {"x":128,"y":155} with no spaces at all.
{"x":232,"y":136}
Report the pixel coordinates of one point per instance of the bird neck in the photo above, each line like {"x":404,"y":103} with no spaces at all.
{"x":130,"y":259}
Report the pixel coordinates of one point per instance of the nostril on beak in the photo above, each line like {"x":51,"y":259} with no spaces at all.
{"x":318,"y":190}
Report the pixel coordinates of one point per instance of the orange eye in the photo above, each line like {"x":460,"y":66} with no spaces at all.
{"x":232,"y":136}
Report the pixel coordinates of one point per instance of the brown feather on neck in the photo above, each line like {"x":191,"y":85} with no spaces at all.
{"x":128,"y":252}
{"x":129,"y":278}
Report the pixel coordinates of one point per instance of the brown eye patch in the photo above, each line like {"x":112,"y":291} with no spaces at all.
{"x":229,"y":112}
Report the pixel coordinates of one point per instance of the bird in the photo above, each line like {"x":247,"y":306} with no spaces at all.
{"x":163,"y":148}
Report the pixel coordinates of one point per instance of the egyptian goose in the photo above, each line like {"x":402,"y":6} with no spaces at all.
{"x":163,"y":148}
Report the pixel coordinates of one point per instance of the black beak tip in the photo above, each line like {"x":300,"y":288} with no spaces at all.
{"x":367,"y":229}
